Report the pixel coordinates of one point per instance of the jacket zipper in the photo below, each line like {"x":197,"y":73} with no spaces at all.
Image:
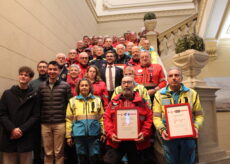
{"x":86,"y":106}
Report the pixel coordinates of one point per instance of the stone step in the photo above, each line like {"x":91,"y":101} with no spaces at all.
{"x":228,"y":153}
{"x":225,"y":160}
{"x":213,"y":155}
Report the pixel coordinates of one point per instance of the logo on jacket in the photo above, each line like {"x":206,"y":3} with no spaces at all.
{"x":165,"y":101}
{"x":139,"y":70}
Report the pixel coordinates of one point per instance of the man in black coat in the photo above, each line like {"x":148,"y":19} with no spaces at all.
{"x":108,"y":45}
{"x":42,"y":68}
{"x":61,"y":60}
{"x":122,"y":58}
{"x":100,"y":62}
{"x":111,"y":74}
{"x":19,"y":111}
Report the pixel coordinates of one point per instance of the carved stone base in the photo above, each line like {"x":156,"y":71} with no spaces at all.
{"x":217,"y":156}
{"x":191,"y":62}
{"x":193,"y":82}
{"x":208,"y":149}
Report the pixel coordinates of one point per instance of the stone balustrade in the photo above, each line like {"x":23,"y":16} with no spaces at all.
{"x":167,"y":39}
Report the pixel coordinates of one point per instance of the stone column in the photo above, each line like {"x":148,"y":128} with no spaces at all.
{"x":152,"y":37}
{"x":208,"y":150}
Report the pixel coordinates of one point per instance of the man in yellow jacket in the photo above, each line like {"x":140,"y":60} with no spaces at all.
{"x":177,"y":151}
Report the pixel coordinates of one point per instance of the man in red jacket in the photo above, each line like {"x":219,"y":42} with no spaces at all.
{"x":135,"y":148}
{"x":150,"y":75}
{"x":83,"y":64}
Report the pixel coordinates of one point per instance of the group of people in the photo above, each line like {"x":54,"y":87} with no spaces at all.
{"x":69,"y":111}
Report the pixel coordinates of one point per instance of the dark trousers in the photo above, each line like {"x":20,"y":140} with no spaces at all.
{"x":70,"y":155}
{"x":114,"y":156}
{"x":38,"y":159}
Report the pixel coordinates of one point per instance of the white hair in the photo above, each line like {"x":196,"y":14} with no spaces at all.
{"x":75,"y":66}
{"x":175,"y":68}
{"x":60,"y":54}
{"x":121,"y":46}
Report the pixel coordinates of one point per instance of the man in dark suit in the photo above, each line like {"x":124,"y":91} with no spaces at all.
{"x":111,"y":74}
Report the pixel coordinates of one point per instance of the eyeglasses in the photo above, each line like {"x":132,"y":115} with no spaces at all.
{"x":128,"y":82}
{"x":72,"y":53}
{"x":128,"y":74}
{"x":144,"y":57}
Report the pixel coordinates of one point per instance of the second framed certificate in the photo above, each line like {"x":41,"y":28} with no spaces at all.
{"x":127,"y":124}
{"x":179,"y":121}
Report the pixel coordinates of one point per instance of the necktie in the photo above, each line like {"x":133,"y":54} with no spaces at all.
{"x":111,"y":78}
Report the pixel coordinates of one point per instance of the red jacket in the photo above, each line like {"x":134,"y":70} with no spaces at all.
{"x":151,"y":76}
{"x":83,"y":70}
{"x":132,"y":63}
{"x":70,"y":62}
{"x":72,"y":84}
{"x":99,"y":89}
{"x":145,"y":119}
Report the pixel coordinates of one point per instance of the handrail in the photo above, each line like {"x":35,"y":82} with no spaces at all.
{"x":177,"y":26}
{"x":167,"y":39}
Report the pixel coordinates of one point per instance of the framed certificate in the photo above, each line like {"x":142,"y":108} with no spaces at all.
{"x":127,"y":124}
{"x":179,"y":121}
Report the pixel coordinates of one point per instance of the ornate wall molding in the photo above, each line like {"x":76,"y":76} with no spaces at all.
{"x":138,"y":3}
{"x":201,"y":9}
{"x":130,"y":12}
{"x":92,"y":5}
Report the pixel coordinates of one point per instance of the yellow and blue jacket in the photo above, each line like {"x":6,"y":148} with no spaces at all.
{"x":143,"y":92}
{"x":84,"y":116}
{"x":166,"y":96}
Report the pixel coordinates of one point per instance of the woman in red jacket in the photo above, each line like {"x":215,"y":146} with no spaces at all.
{"x":73,"y":78}
{"x":99,"y":86}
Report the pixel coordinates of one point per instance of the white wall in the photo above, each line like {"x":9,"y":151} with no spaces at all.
{"x":34,"y":30}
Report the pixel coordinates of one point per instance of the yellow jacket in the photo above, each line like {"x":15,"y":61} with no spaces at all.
{"x":86,"y":114}
{"x":140,"y":88}
{"x":164,"y":97}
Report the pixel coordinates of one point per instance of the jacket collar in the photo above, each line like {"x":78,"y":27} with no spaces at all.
{"x":56,"y":83}
{"x":28,"y":93}
{"x":80,"y":97}
{"x":43,"y":77}
{"x":167,"y":89}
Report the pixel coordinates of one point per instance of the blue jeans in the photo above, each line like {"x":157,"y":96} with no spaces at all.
{"x":87,"y":146}
{"x":180,"y":151}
